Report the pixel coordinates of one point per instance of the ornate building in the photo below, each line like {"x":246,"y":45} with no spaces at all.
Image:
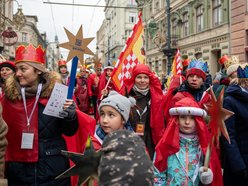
{"x":17,"y":29}
{"x":199,"y":28}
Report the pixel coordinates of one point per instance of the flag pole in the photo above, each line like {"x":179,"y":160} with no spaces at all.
{"x":105,"y":88}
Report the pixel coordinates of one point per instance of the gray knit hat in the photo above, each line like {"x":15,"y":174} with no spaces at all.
{"x":120,"y":103}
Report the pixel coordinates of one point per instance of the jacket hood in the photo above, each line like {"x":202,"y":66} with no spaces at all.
{"x":237,"y":92}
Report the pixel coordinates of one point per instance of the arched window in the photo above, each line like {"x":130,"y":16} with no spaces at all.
{"x":199,"y":18}
{"x":185,"y":24}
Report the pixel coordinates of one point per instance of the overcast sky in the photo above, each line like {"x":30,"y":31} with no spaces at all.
{"x":53,"y":18}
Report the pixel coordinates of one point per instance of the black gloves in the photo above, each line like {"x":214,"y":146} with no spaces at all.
{"x":242,"y":176}
{"x":69,"y":113}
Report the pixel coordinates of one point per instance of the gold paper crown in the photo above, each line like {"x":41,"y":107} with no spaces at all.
{"x":231,"y":61}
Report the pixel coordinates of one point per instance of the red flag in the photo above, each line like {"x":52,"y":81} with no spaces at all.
{"x":132,"y":54}
{"x":177,"y":66}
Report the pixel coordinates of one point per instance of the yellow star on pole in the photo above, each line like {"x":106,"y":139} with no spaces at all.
{"x":218,"y":116}
{"x":77,"y":45}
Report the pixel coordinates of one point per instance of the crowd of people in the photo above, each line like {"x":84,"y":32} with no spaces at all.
{"x":152,"y":132}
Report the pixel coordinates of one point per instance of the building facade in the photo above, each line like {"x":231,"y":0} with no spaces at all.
{"x":239,"y":29}
{"x":199,"y":28}
{"x":53,"y":54}
{"x":18,"y":27}
{"x":120,"y":17}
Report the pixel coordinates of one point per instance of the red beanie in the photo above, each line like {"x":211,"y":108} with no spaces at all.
{"x":196,"y":71}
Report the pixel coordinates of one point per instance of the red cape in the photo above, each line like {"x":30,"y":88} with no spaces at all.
{"x":156,"y":113}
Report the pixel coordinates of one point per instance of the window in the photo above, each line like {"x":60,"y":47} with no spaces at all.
{"x":217,"y":17}
{"x":185,"y":24}
{"x":132,"y":2}
{"x":164,"y":27}
{"x":199,"y":18}
{"x":198,"y":55}
{"x":174,"y":27}
{"x":132,"y":17}
{"x":24,"y":37}
{"x":157,"y":5}
{"x":127,"y":33}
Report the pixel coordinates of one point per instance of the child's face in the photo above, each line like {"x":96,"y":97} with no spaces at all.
{"x":187,"y":124}
{"x":63,"y":70}
{"x":195,"y":81}
{"x":110,"y":119}
{"x":109,"y":72}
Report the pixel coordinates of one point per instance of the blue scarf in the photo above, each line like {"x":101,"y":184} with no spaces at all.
{"x":101,"y":134}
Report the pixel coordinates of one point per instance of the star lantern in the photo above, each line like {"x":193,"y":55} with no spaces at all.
{"x":78,"y":47}
{"x":217,"y":126}
{"x":86,"y":164}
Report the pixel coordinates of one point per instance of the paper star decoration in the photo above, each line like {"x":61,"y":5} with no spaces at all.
{"x":86,"y":164}
{"x":218,"y":116}
{"x":77,"y":45}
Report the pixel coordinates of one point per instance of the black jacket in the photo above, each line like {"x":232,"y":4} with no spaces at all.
{"x":143,"y":104}
{"x":51,"y":163}
{"x":236,"y":153}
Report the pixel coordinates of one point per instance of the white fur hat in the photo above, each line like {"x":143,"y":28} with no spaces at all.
{"x":231,"y":69}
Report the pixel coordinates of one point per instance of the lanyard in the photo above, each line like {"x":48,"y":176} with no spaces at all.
{"x":35,"y":103}
{"x":140,"y":115}
{"x":144,"y":110}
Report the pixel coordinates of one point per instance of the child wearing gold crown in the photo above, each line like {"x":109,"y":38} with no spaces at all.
{"x":180,"y":153}
{"x":236,"y":153}
{"x":35,"y":140}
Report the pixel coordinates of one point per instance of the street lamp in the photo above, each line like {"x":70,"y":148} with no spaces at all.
{"x":167,"y":50}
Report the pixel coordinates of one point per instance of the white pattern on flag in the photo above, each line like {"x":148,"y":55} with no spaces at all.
{"x":129,"y":62}
{"x":178,"y":63}
{"x":132,"y":54}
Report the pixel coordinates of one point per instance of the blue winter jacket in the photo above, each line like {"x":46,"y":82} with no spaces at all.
{"x":236,"y":153}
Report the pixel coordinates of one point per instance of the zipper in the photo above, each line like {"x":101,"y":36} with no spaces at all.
{"x":187,"y":163}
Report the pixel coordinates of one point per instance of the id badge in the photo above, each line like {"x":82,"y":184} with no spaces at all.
{"x":27,"y":140}
{"x":140,"y":128}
